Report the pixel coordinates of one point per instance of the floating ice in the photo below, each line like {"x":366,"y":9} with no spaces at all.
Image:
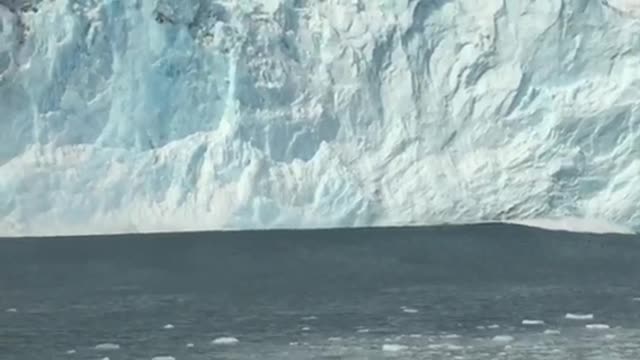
{"x":394,"y":347}
{"x":12,"y":310}
{"x":71,"y":351}
{"x":450,"y":336}
{"x":493,"y":326}
{"x":581,"y":317}
{"x":409,"y":310}
{"x":190,"y":345}
{"x":532,"y":322}
{"x":503,"y":338}
{"x":306,"y":328}
{"x":227,"y":340}
{"x":334,"y":339}
{"x":164,"y":357}
{"x":107,"y":346}
{"x":597,"y":326}
{"x":551,"y":332}
{"x":168,"y":327}
{"x":363,"y":331}
{"x":310,"y":318}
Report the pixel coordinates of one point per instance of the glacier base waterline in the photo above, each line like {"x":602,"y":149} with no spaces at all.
{"x":171,"y":115}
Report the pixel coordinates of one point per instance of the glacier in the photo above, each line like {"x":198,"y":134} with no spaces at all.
{"x":178,"y":115}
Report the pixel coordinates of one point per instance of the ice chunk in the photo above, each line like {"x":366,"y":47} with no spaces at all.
{"x":190,"y":345}
{"x":363,"y":331}
{"x":335,"y":339}
{"x":107,"y":347}
{"x":394,"y":347}
{"x":70,"y":351}
{"x":12,"y":310}
{"x":493,"y":326}
{"x":310,"y":318}
{"x":168,"y":327}
{"x":227,"y":340}
{"x":551,"y":332}
{"x":163,"y":357}
{"x":409,"y":310}
{"x":306,"y":328}
{"x":503,"y":338}
{"x":571,"y":316}
{"x":532,"y":322}
{"x":597,"y":326}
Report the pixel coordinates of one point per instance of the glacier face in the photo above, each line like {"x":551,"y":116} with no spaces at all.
{"x":164,"y":115}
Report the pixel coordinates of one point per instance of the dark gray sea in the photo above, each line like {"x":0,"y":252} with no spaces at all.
{"x":453,"y":292}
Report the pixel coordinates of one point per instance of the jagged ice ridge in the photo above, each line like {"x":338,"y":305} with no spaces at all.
{"x":165,"y":115}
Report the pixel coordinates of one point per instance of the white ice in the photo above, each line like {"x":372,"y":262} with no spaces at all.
{"x":243,"y":114}
{"x":503,"y":338}
{"x":227,"y":340}
{"x":394,"y":347}
{"x":409,"y":310}
{"x":532,"y":322}
{"x":570,"y":316}
{"x":107,"y":346}
{"x":597,"y":326}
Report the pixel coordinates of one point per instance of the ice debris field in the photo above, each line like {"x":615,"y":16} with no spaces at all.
{"x":172,"y":115}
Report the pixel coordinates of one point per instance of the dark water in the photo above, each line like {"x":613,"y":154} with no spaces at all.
{"x":414,"y":293}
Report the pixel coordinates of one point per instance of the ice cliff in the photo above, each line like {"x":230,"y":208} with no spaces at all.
{"x":157,"y":115}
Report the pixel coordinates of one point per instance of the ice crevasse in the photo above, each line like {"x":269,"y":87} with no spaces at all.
{"x":173,"y":115}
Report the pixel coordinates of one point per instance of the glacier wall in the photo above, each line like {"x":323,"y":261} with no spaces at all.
{"x":164,"y":115}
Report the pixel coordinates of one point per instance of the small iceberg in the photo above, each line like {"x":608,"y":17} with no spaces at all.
{"x":532,"y":322}
{"x":12,"y":310}
{"x":409,"y":310}
{"x":551,"y":332}
{"x":503,"y":338}
{"x":168,"y":327}
{"x":310,"y":318}
{"x":394,"y":347}
{"x":71,"y":351}
{"x":107,"y":347}
{"x":571,"y":316}
{"x":597,"y":326}
{"x":163,"y":358}
{"x":190,"y":345}
{"x":225,"y":340}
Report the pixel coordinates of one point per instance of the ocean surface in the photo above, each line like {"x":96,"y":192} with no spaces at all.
{"x":487,"y":291}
